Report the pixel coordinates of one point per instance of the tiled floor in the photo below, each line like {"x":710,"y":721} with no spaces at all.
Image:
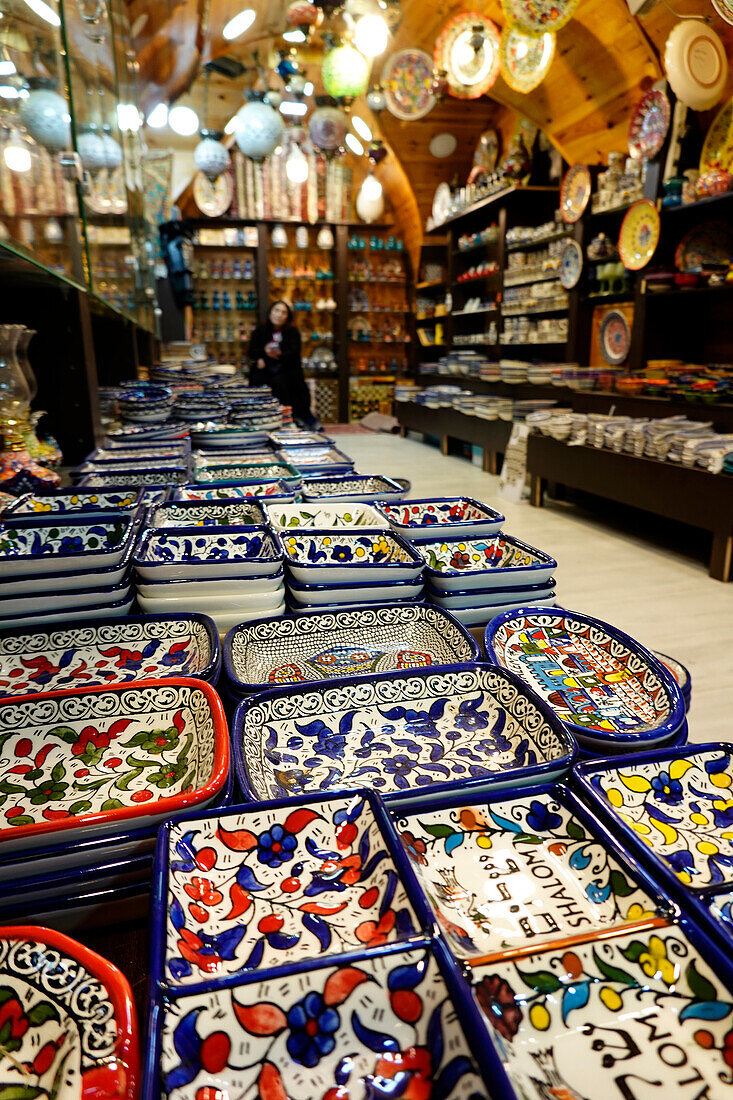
{"x":663,"y":598}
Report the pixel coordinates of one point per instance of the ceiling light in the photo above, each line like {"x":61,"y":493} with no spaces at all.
{"x":7,"y":91}
{"x":296,"y":166}
{"x":129,"y":118}
{"x":308,"y":88}
{"x":294,"y":36}
{"x":371,"y":188}
{"x":443,"y":145}
{"x":183,"y":121}
{"x":16,"y":155}
{"x":355,"y":145}
{"x":371,"y":35}
{"x":238,"y":24}
{"x":158,"y":117}
{"x":361,"y":128}
{"x":288,"y":107}
{"x":44,"y":12}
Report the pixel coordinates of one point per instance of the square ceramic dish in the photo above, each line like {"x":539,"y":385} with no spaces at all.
{"x":129,"y":463}
{"x":482,"y":615}
{"x":237,"y":490}
{"x":193,"y":589}
{"x":325,"y":517}
{"x":71,"y":1022}
{"x":325,"y":557}
{"x":405,"y":735}
{"x":504,"y":873}
{"x":328,"y":646}
{"x":91,"y":611}
{"x":107,"y":756}
{"x":38,"y":581}
{"x":314,"y":460}
{"x":261,"y":603}
{"x":357,"y":488}
{"x":497,"y":561}
{"x":222,"y":438}
{"x":149,"y":451}
{"x":208,"y":459}
{"x":108,"y":652}
{"x":423,"y":520}
{"x":191,"y":513}
{"x":194,"y":552}
{"x":362,"y":592}
{"x":346,"y":855}
{"x":46,"y":545}
{"x":108,"y":500}
{"x":298,"y":439}
{"x":492,"y":597}
{"x":607,"y":688}
{"x":336,"y":1028}
{"x":173,"y":475}
{"x":279,"y":471}
{"x":47,"y":599}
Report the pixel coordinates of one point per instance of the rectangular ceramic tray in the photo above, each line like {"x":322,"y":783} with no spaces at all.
{"x":327,"y":557}
{"x":191,"y":513}
{"x":425,"y":519}
{"x":192,"y":588}
{"x":106,"y":652}
{"x":92,"y":611}
{"x":237,"y":490}
{"x":362,"y":592}
{"x":492,"y":597}
{"x":330,"y":645}
{"x":405,"y":735}
{"x":480,"y":616}
{"x":129,"y":464}
{"x":48,"y":545}
{"x":124,"y":754}
{"x":211,"y":460}
{"x":107,"y":500}
{"x":38,"y":581}
{"x":499,"y":560}
{"x":194,"y":552}
{"x":137,"y":452}
{"x":263,"y":603}
{"x":325,"y":517}
{"x":363,"y":488}
{"x":49,"y":599}
{"x":298,"y":438}
{"x":177,"y":475}
{"x":238,"y":472}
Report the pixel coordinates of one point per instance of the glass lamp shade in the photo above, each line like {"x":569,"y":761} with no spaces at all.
{"x":210,"y":156}
{"x":376,"y":99}
{"x":259,"y":130}
{"x":327,"y":128}
{"x":91,"y":148}
{"x":45,"y":115}
{"x":15,"y":396}
{"x":369,"y":209}
{"x":345,"y":73}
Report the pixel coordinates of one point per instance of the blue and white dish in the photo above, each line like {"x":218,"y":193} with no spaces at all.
{"x":142,"y":434}
{"x":244,"y":513}
{"x":492,"y":597}
{"x":48,"y":545}
{"x":38,"y":581}
{"x":197,"y":552}
{"x":328,"y":557}
{"x":206,"y":460}
{"x":297,"y":438}
{"x":214,"y":438}
{"x":269,"y":489}
{"x":680,"y":673}
{"x":74,"y":612}
{"x":425,"y":519}
{"x":273,"y":471}
{"x":482,"y":615}
{"x":381,"y":591}
{"x":213,"y":605}
{"x":405,"y":735}
{"x":72,"y":501}
{"x":324,"y":517}
{"x":51,"y":599}
{"x":151,"y":475}
{"x":194,"y":587}
{"x":571,"y":265}
{"x":313,"y":460}
{"x":126,"y":468}
{"x":357,"y":488}
{"x":152,"y":454}
{"x":497,"y":561}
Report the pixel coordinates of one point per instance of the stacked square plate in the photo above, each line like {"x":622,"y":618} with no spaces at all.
{"x":317,"y":459}
{"x":361,"y":488}
{"x":326,"y":517}
{"x":271,"y":488}
{"x":426,"y":519}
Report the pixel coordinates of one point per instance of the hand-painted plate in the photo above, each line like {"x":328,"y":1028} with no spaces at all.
{"x":213,"y":199}
{"x":614,"y":338}
{"x":649,"y":125}
{"x":709,"y":243}
{"x":471,"y":71}
{"x":537,"y":16}
{"x":407,"y":79}
{"x":717,"y":151}
{"x":575,"y":192}
{"x":486,"y":154}
{"x":571,"y":264}
{"x":639,"y":236}
{"x":724,"y":9}
{"x":525,"y":59}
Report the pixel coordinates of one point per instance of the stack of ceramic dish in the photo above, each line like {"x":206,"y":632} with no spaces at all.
{"x":361,"y":488}
{"x":169,"y":462}
{"x":477,"y":577}
{"x":612,"y":694}
{"x":311,"y":461}
{"x":231,"y":573}
{"x":143,"y":403}
{"x":297,"y":437}
{"x":67,"y":566}
{"x":425,"y":519}
{"x":338,"y":568}
{"x":223,"y":469}
{"x":680,"y":673}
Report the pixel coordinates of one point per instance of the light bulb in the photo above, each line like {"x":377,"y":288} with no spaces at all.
{"x":238,"y":24}
{"x":308,"y":88}
{"x":371,"y":35}
{"x":355,"y":145}
{"x":361,"y":128}
{"x":16,"y":155}
{"x":463,"y":52}
{"x":296,"y":166}
{"x":128,"y":117}
{"x":371,"y":188}
{"x":7,"y":67}
{"x":183,"y":121}
{"x":158,"y":117}
{"x":521,"y":49}
{"x":7,"y":91}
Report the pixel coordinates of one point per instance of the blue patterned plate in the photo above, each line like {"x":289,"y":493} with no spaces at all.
{"x":196,"y":552}
{"x":48,"y":545}
{"x":80,"y":500}
{"x":329,"y":557}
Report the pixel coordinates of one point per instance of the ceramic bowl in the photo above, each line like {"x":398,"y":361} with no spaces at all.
{"x":325,"y":517}
{"x":191,"y":552}
{"x":422,"y":520}
{"x":72,"y":1019}
{"x":400,"y":734}
{"x":494,"y":562}
{"x":274,"y":471}
{"x":109,"y":500}
{"x":151,"y":475}
{"x":108,"y":756}
{"x":326,"y":595}
{"x":492,"y":597}
{"x":108,"y":652}
{"x":330,"y":645}
{"x":237,"y":490}
{"x":326,"y":557}
{"x":244,"y":513}
{"x":37,"y":581}
{"x":47,"y":546}
{"x":356,"y":488}
{"x":607,"y":688}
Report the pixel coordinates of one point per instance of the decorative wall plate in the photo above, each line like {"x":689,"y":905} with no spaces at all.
{"x":497,"y":561}
{"x":717,"y":151}
{"x":193,"y":514}
{"x":486,"y":154}
{"x":649,"y":125}
{"x":639,"y":235}
{"x":535,"y":17}
{"x":441,"y":203}
{"x":614,"y":338}
{"x":696,"y":64}
{"x":575,"y":192}
{"x":326,"y":517}
{"x":327,"y":557}
{"x":235,"y":490}
{"x":571,"y":264}
{"x":423,"y":520}
{"x":525,"y":58}
{"x":328,"y":646}
{"x":471,"y":71}
{"x":602,"y":684}
{"x":213,"y":199}
{"x":724,"y":9}
{"x":401,"y":734}
{"x":709,"y":243}
{"x":407,"y":80}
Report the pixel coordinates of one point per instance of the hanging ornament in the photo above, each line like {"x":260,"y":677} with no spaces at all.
{"x":328,"y":125}
{"x":370,"y":200}
{"x":259,"y":129}
{"x":296,"y":85}
{"x":91,"y":148}
{"x":112,"y":149}
{"x":301,"y":16}
{"x":45,"y":115}
{"x":376,"y":152}
{"x":273,"y":97}
{"x":210,"y":156}
{"x":345,"y":73}
{"x":279,"y":237}
{"x":376,"y":99}
{"x":288,"y":65}
{"x":324,"y":240}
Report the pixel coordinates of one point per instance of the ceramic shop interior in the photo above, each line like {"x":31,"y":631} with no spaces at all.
{"x":364,"y":718}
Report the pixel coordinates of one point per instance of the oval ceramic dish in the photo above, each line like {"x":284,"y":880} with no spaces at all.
{"x":406,"y":735}
{"x":236,"y":490}
{"x":244,"y":513}
{"x":194,"y":552}
{"x":44,"y":546}
{"x":326,"y":517}
{"x":407,"y":79}
{"x":696,"y":64}
{"x":525,"y":58}
{"x":108,"y":756}
{"x":498,"y":561}
{"x":575,"y":193}
{"x":66,"y":501}
{"x":328,"y":557}
{"x":535,"y":17}
{"x":328,"y":646}
{"x":422,"y":520}
{"x":609,"y":690}
{"x":614,"y":338}
{"x":359,"y":488}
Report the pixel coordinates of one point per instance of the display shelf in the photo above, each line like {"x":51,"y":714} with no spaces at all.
{"x":474,"y":312}
{"x":531,"y":343}
{"x":533,"y":311}
{"x":538,"y":242}
{"x":448,"y":424}
{"x":721,"y":201}
{"x":512,"y":191}
{"x":526,"y":278}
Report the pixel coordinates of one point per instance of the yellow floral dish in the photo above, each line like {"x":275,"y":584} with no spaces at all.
{"x":639,"y":235}
{"x":575,"y":192}
{"x":717,"y":151}
{"x":525,"y":59}
{"x":535,"y":17}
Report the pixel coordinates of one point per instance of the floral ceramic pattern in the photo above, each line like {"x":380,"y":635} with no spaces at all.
{"x":333,"y":516}
{"x":638,"y":1015}
{"x":234,"y":492}
{"x":502,"y":874}
{"x":471,"y":555}
{"x":74,"y":502}
{"x":398,"y":734}
{"x":588,"y":677}
{"x":73,"y":755}
{"x":112,"y":653}
{"x":431,"y":513}
{"x":682,"y":809}
{"x":408,"y":84}
{"x":525,"y":59}
{"x":536,"y":16}
{"x":377,"y":549}
{"x":649,"y":124}
{"x":162,"y":546}
{"x":243,"y":473}
{"x":78,"y":538}
{"x":575,"y":192}
{"x":254,"y":890}
{"x":241,"y":513}
{"x":383,"y":1026}
{"x":639,"y":235}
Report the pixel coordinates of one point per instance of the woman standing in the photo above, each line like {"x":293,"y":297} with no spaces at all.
{"x":274,"y":353}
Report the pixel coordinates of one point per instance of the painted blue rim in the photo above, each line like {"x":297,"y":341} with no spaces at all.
{"x":286,"y":493}
{"x":240,"y":687}
{"x":162,"y":582}
{"x":165,"y":479}
{"x":510,"y":590}
{"x":397,"y":584}
{"x":416,"y":558}
{"x":43,"y":580}
{"x":543,"y":560}
{"x":81,"y":520}
{"x":203,"y":532}
{"x":491,"y":515}
{"x":72,"y":593}
{"x":491,"y":781}
{"x":674,"y":695}
{"x":43,"y":619}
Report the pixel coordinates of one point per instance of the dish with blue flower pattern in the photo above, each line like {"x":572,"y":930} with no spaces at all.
{"x":182,"y":552}
{"x":47,"y":545}
{"x":325,"y":517}
{"x":330,"y":557}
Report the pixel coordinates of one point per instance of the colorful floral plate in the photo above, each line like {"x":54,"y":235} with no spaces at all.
{"x":421,"y":520}
{"x":525,"y":58}
{"x":213,"y":198}
{"x":605,"y":687}
{"x":359,"y":488}
{"x":471,"y":72}
{"x":649,"y":125}
{"x":126,"y":500}
{"x":498,"y":561}
{"x":614,"y":338}
{"x":328,"y":557}
{"x":571,"y":264}
{"x":46,"y":545}
{"x":535,"y":17}
{"x":709,"y":243}
{"x":407,"y":80}
{"x":639,"y":236}
{"x":183,"y":553}
{"x":575,"y":193}
{"x":326,"y":517}
{"x":404,"y":735}
{"x":236,"y":513}
{"x":236,"y":490}
{"x":717,"y":150}
{"x":328,"y":646}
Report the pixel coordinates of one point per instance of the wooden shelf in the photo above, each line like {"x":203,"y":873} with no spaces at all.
{"x":512,"y":190}
{"x":431,"y":286}
{"x":525,"y":280}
